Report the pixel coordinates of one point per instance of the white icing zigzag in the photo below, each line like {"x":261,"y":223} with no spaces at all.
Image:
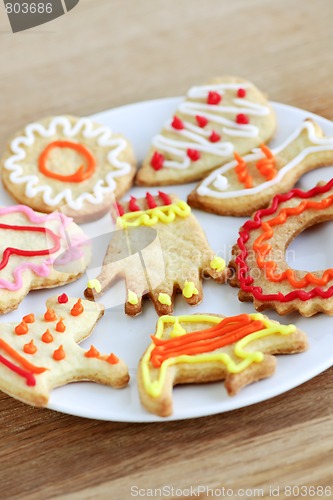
{"x":319,"y":144}
{"x":199,"y":135}
{"x":85,"y":126}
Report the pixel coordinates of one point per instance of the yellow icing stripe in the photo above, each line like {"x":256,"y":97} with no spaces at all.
{"x":189,"y":289}
{"x":154,"y":388}
{"x":94,"y":284}
{"x":217,"y":263}
{"x":164,"y":299}
{"x":165,"y":214}
{"x":132,"y":298}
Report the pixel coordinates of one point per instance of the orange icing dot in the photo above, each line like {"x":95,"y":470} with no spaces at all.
{"x":50,"y":315}
{"x":242,"y":172}
{"x":77,"y":308}
{"x":59,"y":354}
{"x":228,"y":331}
{"x":266,"y":166}
{"x":47,"y":337}
{"x":30,"y":348}
{"x":92,"y":353}
{"x":22,"y":328}
{"x":81,"y":173}
{"x":29,"y":318}
{"x":60,"y":326}
{"x":263,"y":249}
{"x":23,"y":362}
{"x":112,"y":359}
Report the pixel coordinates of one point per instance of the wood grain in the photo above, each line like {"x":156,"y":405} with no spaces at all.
{"x":104,"y":54}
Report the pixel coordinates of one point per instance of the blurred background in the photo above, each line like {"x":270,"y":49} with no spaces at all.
{"x":103,"y":54}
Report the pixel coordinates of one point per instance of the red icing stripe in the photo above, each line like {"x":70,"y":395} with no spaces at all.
{"x":150,"y":201}
{"x":28,"y":253}
{"x":165,"y":198}
{"x":246,"y":282}
{"x":29,"y":377}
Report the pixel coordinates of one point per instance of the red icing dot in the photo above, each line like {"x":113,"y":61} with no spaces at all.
{"x":242,"y":119}
{"x":201,"y":120}
{"x":193,"y":154}
{"x":177,"y":123}
{"x":62,"y":299}
{"x":241,"y":92}
{"x":214,"y":97}
{"x":157,"y":161}
{"x":132,"y":205}
{"x":214,"y":137}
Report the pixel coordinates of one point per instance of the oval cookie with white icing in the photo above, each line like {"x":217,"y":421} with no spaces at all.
{"x":68,"y":163}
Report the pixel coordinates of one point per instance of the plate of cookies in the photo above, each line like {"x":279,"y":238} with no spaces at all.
{"x":216,"y":207}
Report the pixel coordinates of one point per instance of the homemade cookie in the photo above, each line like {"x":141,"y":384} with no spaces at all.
{"x":67,"y":163}
{"x":40,"y":353}
{"x":205,"y":348}
{"x":38,"y":251}
{"x":160,"y":250}
{"x":229,"y":114}
{"x":249,"y":183}
{"x":259,"y":263}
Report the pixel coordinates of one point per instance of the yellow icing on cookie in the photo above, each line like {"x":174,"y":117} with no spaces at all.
{"x":165,"y":214}
{"x":154,"y":388}
{"x":132,"y":298}
{"x":177,"y":330}
{"x":164,"y":299}
{"x":189,"y":289}
{"x":217,"y":263}
{"x":94,"y":284}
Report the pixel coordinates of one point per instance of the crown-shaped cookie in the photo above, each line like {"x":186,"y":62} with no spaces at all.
{"x":160,"y":249}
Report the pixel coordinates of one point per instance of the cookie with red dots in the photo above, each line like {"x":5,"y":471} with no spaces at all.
{"x":228,"y":114}
{"x":70,"y":164}
{"x":41,"y":352}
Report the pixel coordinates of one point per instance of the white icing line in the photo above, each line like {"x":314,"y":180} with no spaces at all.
{"x":85,"y":126}
{"x":320,"y":144}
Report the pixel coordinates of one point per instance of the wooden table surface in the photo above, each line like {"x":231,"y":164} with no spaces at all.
{"x":104,"y":54}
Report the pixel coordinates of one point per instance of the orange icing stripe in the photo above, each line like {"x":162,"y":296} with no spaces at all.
{"x":242,"y":172}
{"x":228,"y":331}
{"x":23,"y":362}
{"x":266,"y":166}
{"x":81,"y":173}
{"x":262,"y":249}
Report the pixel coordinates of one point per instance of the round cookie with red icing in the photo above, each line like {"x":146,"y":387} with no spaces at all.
{"x":71,"y":164}
{"x":259,"y":262}
{"x":226,"y":115}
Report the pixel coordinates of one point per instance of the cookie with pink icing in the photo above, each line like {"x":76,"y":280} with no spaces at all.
{"x":249,"y":183}
{"x":38,"y":251}
{"x":226,"y":115}
{"x":71,"y":164}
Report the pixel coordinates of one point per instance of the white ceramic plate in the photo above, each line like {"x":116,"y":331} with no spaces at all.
{"x":129,"y":337}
